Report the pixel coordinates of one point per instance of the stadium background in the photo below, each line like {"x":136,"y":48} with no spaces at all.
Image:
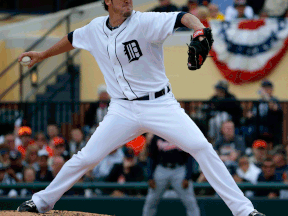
{"x":23,"y":25}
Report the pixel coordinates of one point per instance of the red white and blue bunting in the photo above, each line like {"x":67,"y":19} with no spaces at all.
{"x":248,"y":50}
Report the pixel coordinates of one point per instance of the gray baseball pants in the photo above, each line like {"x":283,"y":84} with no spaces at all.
{"x":163,"y":178}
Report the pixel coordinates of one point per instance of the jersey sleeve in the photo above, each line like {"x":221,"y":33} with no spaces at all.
{"x":157,"y":26}
{"x":81,"y":38}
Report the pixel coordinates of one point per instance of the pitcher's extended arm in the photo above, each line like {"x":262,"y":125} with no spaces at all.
{"x":62,"y":46}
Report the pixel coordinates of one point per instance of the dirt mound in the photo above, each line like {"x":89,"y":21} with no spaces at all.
{"x":50,"y":213}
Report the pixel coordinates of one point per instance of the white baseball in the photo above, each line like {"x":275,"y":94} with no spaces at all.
{"x":26,"y":60}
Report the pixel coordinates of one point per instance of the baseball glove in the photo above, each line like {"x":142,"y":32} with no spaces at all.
{"x":199,"y":50}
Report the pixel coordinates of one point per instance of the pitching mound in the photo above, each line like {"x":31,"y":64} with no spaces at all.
{"x":50,"y":213}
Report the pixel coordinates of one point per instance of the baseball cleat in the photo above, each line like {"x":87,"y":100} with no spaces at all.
{"x":256,"y":213}
{"x":27,"y":206}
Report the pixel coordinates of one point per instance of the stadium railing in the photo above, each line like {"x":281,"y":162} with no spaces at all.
{"x":141,"y":185}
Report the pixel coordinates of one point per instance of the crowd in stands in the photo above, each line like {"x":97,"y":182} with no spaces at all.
{"x":246,"y":9}
{"x":250,"y":146}
{"x":249,"y":156}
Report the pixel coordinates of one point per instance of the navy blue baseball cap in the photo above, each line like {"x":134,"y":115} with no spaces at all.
{"x":267,"y":83}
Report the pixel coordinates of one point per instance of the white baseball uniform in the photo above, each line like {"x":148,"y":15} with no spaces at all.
{"x":131,"y":60}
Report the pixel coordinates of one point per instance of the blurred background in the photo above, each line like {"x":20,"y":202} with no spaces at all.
{"x":238,"y":99}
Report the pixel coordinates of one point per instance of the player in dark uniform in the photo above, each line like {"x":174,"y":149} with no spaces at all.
{"x":169,"y":166}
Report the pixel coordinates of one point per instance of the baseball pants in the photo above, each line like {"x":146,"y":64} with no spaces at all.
{"x":163,"y":178}
{"x":125,"y":121}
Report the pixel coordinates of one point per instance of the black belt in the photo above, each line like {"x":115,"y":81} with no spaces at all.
{"x":157,"y":94}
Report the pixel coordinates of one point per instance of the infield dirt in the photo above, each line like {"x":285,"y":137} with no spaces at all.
{"x":50,"y":213}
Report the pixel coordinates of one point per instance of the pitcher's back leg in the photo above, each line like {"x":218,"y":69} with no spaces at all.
{"x":112,"y":133}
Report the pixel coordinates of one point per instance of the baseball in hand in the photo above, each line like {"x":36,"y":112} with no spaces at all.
{"x":26,"y":60}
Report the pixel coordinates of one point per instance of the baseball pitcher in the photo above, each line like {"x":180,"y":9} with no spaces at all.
{"x":128,"y":47}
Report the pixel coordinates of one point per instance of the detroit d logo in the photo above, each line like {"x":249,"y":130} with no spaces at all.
{"x":132,"y":50}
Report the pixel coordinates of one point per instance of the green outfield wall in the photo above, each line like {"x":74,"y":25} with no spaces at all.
{"x":167,"y":207}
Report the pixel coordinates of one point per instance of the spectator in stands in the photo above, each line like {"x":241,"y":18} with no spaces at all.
{"x":29,"y":177}
{"x":165,"y":6}
{"x":227,"y":139}
{"x":248,"y":127}
{"x":9,"y":141}
{"x":77,"y":141}
{"x":229,"y":158}
{"x":270,"y":112}
{"x":239,"y":10}
{"x":284,"y":193}
{"x":59,"y":146}
{"x":280,"y":162}
{"x":246,"y":171}
{"x":43,"y":174}
{"x":41,"y":142}
{"x":16,"y":164}
{"x":191,"y":7}
{"x":103,"y":169}
{"x":6,"y":179}
{"x":31,"y":158}
{"x":52,"y":131}
{"x":25,"y":134}
{"x":203,"y":14}
{"x":206,"y":191}
{"x":271,"y":148}
{"x":4,"y":155}
{"x":59,"y":149}
{"x":128,"y":171}
{"x":270,"y":117}
{"x":222,"y":107}
{"x":139,"y":147}
{"x":57,"y":164}
{"x":137,"y":144}
{"x":204,"y":2}
{"x":88,"y":177}
{"x":214,"y":13}
{"x":5,"y":160}
{"x":275,"y":8}
{"x":97,"y":111}
{"x":268,"y":174}
{"x":259,"y":152}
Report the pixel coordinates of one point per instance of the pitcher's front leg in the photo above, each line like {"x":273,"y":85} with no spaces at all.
{"x":175,"y":126}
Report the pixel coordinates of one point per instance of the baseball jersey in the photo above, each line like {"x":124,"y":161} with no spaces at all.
{"x":131,"y":56}
{"x":161,"y":151}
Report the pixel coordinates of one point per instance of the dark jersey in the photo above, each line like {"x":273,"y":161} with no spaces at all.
{"x":162,"y":152}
